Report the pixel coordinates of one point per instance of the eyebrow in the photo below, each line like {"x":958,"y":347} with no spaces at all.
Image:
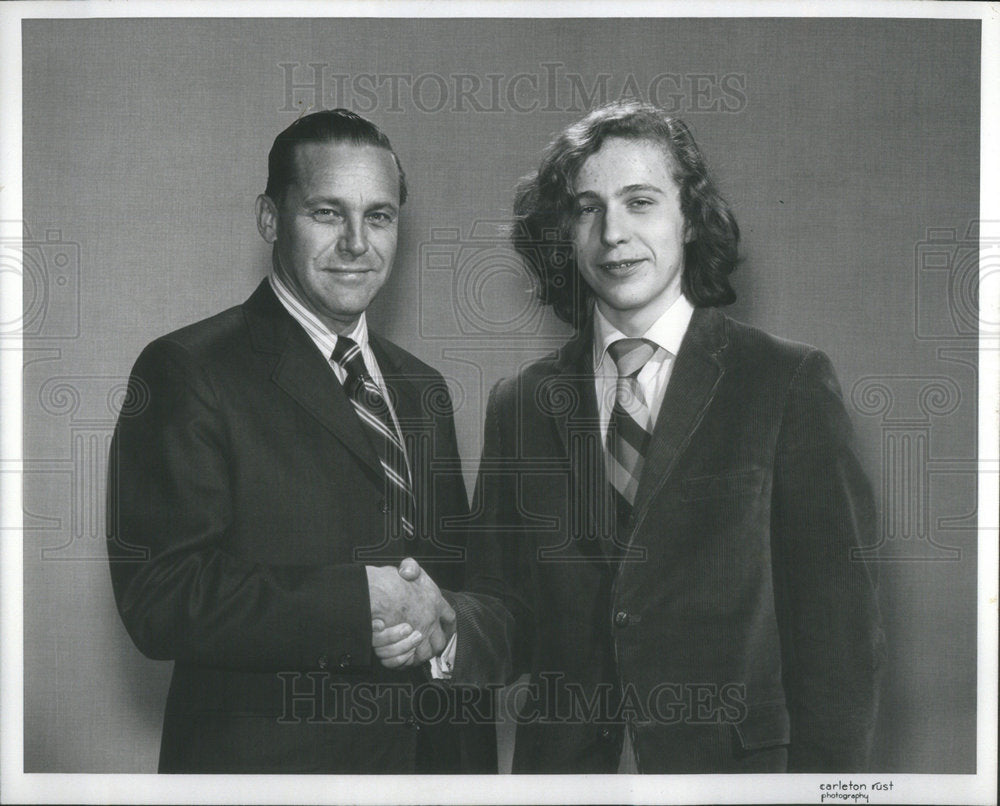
{"x":338,"y":202}
{"x":622,"y":191}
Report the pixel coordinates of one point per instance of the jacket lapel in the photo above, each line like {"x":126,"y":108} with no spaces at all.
{"x":693,"y":382}
{"x":414,"y":422}
{"x":403,"y":393}
{"x":417,"y":401}
{"x":304,"y":374}
{"x":572,"y":403}
{"x":568,"y":396}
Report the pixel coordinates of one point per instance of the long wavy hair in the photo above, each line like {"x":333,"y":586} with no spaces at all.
{"x":544,"y":209}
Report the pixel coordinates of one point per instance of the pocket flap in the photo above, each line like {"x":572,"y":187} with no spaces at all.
{"x":765,"y":725}
{"x":722,"y":485}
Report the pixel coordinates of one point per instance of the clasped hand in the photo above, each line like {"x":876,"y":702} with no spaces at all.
{"x":411,"y":621}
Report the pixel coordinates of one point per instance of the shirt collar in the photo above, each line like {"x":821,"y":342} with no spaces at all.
{"x":324,"y":338}
{"x":667,"y":332}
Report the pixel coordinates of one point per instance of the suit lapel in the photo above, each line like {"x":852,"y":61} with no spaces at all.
{"x":568,"y":396}
{"x":693,"y":382}
{"x":571,"y":402}
{"x":304,"y":374}
{"x":403,"y":393}
{"x":414,"y":422}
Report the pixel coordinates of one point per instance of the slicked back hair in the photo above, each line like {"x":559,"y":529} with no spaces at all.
{"x":328,"y":126}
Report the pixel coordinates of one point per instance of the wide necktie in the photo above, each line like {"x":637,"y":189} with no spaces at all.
{"x":373,"y":411}
{"x":630,"y":426}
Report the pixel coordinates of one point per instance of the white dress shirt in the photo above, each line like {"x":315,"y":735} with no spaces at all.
{"x":324,"y":338}
{"x":666,"y":333}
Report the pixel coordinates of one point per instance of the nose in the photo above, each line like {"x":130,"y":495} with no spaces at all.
{"x":613,"y":227}
{"x":353,"y":240}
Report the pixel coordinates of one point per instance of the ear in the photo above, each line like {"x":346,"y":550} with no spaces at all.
{"x":267,"y":218}
{"x":688,"y":231}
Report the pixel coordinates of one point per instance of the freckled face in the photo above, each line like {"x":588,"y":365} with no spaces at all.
{"x":629,"y":232}
{"x":335,"y":228}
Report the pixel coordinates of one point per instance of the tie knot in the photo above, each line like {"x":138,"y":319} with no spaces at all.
{"x":345,"y":351}
{"x":347,"y":354}
{"x":631,"y":355}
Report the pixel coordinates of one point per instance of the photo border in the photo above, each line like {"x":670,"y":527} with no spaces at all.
{"x":15,"y":786}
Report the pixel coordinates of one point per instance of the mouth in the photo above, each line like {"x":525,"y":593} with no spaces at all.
{"x":620,"y":266}
{"x":348,"y":272}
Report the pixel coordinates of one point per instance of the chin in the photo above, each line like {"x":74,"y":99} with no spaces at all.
{"x":625,"y":304}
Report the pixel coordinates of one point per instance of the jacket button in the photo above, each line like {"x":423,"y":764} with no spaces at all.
{"x":606,"y":735}
{"x":323,"y":662}
{"x":621,"y":618}
{"x":345,"y":660}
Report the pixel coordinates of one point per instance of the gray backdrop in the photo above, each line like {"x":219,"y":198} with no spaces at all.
{"x":849,"y":149}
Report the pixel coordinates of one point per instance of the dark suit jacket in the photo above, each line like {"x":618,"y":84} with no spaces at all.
{"x":737,"y":633}
{"x":241,"y":490}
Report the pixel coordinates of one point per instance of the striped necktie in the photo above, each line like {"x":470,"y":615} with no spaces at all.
{"x":373,"y":411}
{"x":630,"y":425}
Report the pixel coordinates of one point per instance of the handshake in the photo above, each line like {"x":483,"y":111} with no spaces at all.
{"x":411,"y":621}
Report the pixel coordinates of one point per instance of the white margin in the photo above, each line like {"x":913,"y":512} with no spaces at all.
{"x":94,"y":788}
{"x":11,"y":532}
{"x":989,"y":399}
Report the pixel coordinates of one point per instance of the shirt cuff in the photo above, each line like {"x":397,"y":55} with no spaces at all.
{"x":442,"y":665}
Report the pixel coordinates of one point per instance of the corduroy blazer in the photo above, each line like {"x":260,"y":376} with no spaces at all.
{"x":729,"y":625}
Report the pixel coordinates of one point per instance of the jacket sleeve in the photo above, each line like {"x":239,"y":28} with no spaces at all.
{"x":832,"y":642}
{"x":494,"y":612}
{"x":180,"y":593}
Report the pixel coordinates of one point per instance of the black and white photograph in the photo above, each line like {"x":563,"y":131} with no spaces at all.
{"x":499,"y":403}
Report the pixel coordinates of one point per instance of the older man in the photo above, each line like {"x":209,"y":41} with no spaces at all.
{"x":668,"y":507}
{"x":273,"y":464}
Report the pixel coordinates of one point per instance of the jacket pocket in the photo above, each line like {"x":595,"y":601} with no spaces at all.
{"x":722,"y":485}
{"x":765,"y":725}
